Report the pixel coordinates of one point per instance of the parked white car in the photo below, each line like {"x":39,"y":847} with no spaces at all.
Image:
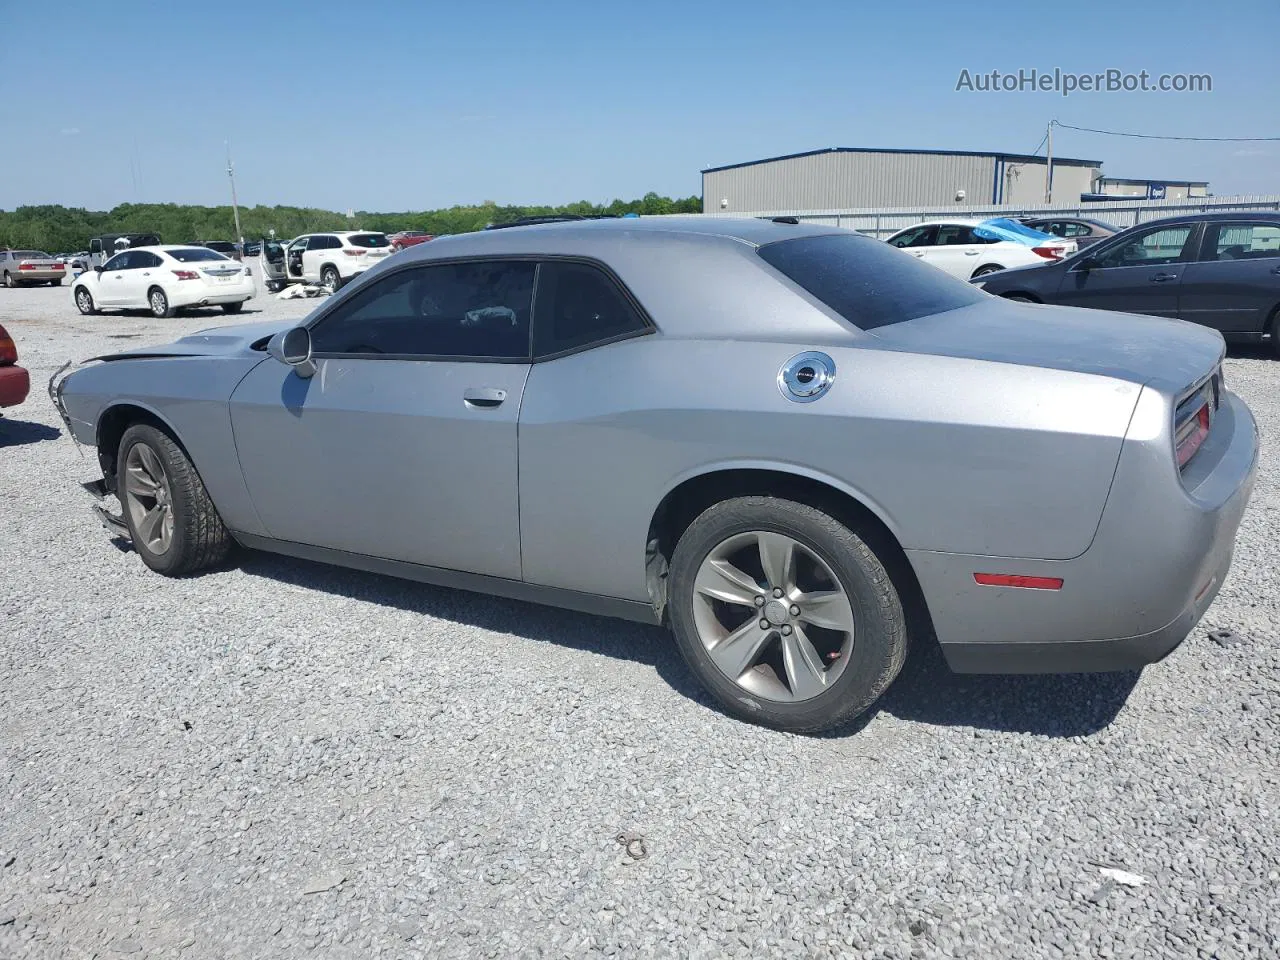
{"x":972,"y":248}
{"x":329,"y":259}
{"x":164,"y":279}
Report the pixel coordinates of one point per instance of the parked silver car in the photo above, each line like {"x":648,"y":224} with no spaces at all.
{"x":19,"y":268}
{"x":775,"y":438}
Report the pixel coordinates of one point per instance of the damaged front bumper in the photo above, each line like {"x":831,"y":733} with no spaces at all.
{"x":102,"y":497}
{"x":97,"y":489}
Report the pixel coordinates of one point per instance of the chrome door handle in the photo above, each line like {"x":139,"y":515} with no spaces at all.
{"x":483,"y":396}
{"x":971,"y":253}
{"x":1162,"y":277}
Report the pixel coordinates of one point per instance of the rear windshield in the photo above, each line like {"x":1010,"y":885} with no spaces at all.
{"x":195,"y":254}
{"x":31,"y":255}
{"x":222,"y":246}
{"x":369,"y":240}
{"x":868,"y":282}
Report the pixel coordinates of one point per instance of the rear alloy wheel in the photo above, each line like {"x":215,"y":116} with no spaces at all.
{"x":171,"y":520}
{"x":989,"y":268}
{"x":330,"y":280}
{"x":785,"y":614}
{"x":159,"y":303}
{"x":84,"y":302}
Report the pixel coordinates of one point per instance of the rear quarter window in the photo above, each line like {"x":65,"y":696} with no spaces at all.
{"x":868,"y":283}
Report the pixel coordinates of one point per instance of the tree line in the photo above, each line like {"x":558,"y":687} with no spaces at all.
{"x":58,"y":229}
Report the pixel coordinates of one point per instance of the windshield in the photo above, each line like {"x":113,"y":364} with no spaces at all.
{"x":869,"y":283}
{"x":195,"y":254}
{"x":369,"y":240}
{"x":1002,"y":228}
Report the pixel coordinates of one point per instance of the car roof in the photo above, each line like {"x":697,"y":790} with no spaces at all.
{"x":1270,"y":216}
{"x":751,"y":231}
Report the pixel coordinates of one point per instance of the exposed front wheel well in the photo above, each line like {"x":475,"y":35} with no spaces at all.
{"x":1021,"y":296}
{"x":682,"y":505}
{"x":111,"y":427}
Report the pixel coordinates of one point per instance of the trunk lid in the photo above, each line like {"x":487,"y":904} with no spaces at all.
{"x":1170,"y":355}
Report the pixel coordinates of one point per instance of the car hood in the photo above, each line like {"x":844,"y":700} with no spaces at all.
{"x":235,"y":340}
{"x":1167,"y":354}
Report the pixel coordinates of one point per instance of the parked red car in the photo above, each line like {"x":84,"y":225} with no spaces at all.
{"x":14,"y":380}
{"x":409,"y":238}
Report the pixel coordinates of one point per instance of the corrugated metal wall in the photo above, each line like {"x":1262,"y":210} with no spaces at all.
{"x":825,"y":180}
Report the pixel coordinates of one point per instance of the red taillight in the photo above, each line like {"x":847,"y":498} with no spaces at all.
{"x":1049,"y":253}
{"x":354,"y":253}
{"x":8,"y":350}
{"x":59,"y":266}
{"x":1018,"y":580}
{"x":27,"y":266}
{"x":186,"y":275}
{"x":1192,"y":435}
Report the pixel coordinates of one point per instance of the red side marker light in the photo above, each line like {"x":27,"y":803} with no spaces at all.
{"x":1016,"y":580}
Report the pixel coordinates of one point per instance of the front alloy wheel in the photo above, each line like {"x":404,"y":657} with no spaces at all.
{"x":149,"y":498}
{"x":84,"y":301}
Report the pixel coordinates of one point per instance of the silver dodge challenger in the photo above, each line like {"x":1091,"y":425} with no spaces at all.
{"x":777,"y":438}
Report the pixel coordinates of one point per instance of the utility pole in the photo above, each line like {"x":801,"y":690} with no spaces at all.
{"x":235,"y":206}
{"x":1048,"y":173}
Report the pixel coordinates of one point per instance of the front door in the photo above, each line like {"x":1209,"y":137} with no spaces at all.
{"x":1139,"y":274}
{"x":1235,"y":282}
{"x":319,"y":251}
{"x":116,"y":281}
{"x":403,"y":443}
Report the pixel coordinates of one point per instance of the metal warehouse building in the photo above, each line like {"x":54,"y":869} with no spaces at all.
{"x":843,"y":177}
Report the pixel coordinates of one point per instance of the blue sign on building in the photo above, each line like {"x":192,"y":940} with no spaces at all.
{"x":1155,"y":191}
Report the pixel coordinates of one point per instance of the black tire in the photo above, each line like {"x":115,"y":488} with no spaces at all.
{"x":329,"y":277}
{"x":881,"y":638}
{"x":9,"y":281}
{"x":1020,"y":298}
{"x":84,"y":301}
{"x":986,"y":269}
{"x":233,"y":307}
{"x":55,"y":283}
{"x":159,"y":303}
{"x":199,"y":540}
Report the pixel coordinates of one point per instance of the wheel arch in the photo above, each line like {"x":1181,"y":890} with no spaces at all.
{"x":692,"y":493}
{"x":1031,"y":297}
{"x":111,"y":426}
{"x":989,"y":267}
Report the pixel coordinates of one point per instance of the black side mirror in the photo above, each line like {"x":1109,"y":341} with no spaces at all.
{"x":98,"y":268}
{"x":293,"y":348}
{"x":1088,"y":262}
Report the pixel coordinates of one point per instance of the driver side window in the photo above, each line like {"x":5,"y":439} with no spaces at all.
{"x":475,"y":310}
{"x":121,"y":261}
{"x":1153,"y":248}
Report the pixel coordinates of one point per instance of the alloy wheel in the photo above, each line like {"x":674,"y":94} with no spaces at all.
{"x":773,"y":616}
{"x":149,"y":498}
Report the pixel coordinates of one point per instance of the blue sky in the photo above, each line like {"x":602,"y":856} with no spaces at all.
{"x":395,"y":105}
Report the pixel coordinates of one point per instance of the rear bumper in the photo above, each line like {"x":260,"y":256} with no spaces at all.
{"x":37,"y":276}
{"x":1160,"y":556}
{"x":212,"y":296}
{"x":15,"y":384}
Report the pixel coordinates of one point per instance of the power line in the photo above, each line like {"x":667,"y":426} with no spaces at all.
{"x":1036,"y":151}
{"x":1148,"y":136}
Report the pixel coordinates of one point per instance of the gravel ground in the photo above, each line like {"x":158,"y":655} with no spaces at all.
{"x":288,"y":760}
